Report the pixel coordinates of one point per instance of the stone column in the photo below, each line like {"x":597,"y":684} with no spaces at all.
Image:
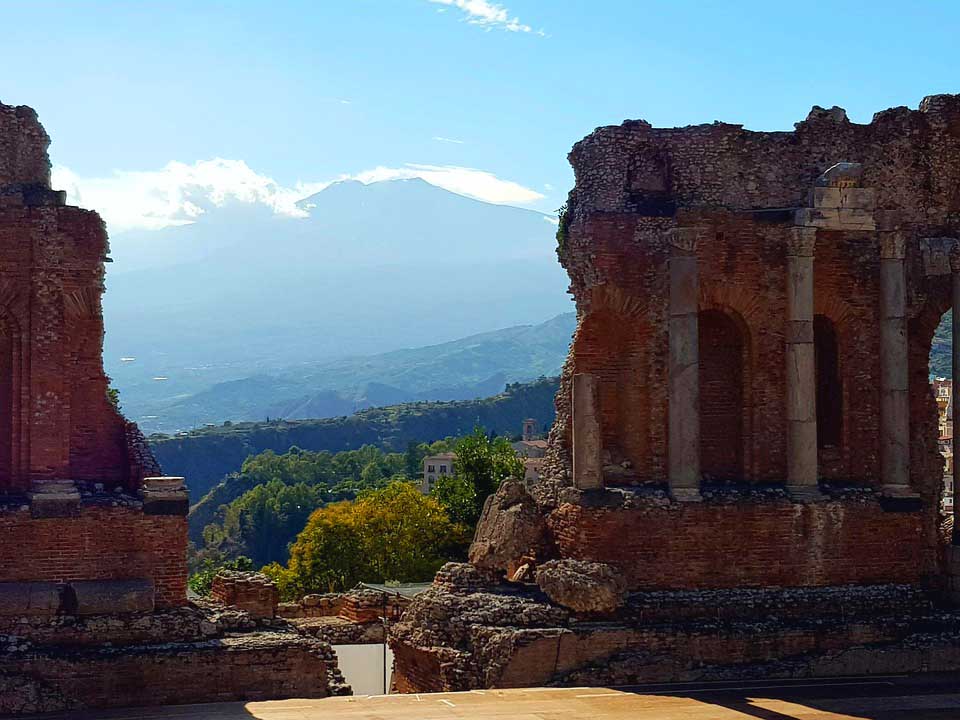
{"x":955,"y":306}
{"x":587,"y":443}
{"x":894,"y":399}
{"x":684,"y":366}
{"x":801,"y":367}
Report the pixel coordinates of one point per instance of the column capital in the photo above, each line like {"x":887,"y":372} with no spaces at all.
{"x":683,"y":240}
{"x":954,"y":255}
{"x":802,"y":241}
{"x":893,"y":244}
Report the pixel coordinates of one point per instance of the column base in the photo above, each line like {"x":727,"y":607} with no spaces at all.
{"x":806,"y":494}
{"x":686,"y":495}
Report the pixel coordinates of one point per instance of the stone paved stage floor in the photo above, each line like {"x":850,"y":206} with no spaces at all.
{"x":925,"y":697}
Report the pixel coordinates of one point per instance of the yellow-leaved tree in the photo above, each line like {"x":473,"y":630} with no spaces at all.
{"x":392,"y":534}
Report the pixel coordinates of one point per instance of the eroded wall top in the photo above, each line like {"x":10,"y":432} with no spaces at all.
{"x":912,"y":158}
{"x":23,"y":148}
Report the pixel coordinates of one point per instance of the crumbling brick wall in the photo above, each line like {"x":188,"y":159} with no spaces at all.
{"x":250,"y":591}
{"x":635,"y":183}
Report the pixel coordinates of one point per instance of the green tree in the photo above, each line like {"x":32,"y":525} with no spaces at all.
{"x":485,"y":463}
{"x":458,"y":498}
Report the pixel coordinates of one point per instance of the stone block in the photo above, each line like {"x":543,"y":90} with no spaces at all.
{"x":101,"y":597}
{"x":858,"y":198}
{"x":827,"y":197}
{"x":856,"y":219}
{"x":165,"y":496}
{"x":54,"y":499}
{"x":30,"y":598}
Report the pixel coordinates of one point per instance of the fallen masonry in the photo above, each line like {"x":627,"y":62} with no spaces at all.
{"x":93,"y":606}
{"x":743,"y":480}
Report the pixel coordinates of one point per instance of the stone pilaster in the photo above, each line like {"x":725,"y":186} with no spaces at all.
{"x":684,"y":366}
{"x":894,"y":399}
{"x":955,"y":287}
{"x":801,"y":367}
{"x":587,"y":442}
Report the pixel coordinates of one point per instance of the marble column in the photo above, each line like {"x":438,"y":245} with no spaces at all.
{"x":587,"y":442}
{"x":955,"y":306}
{"x":684,"y":366}
{"x":801,"y":367}
{"x":894,"y":398}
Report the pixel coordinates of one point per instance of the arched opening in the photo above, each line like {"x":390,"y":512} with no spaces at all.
{"x":829,"y":384}
{"x":722,"y":347}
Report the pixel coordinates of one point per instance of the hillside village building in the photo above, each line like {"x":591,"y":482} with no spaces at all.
{"x":434,"y":467}
{"x":743,"y":479}
{"x":93,"y":604}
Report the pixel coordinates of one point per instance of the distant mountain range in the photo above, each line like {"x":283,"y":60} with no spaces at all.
{"x":243,"y":313}
{"x":207,"y":455}
{"x":473,"y":367}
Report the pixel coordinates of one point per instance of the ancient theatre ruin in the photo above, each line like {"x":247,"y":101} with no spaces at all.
{"x":743,"y":479}
{"x":93,"y":604}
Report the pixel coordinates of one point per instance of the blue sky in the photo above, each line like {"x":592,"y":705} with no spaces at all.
{"x":308,"y":92}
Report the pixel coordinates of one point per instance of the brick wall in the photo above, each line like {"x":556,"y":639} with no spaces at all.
{"x":250,"y":591}
{"x":756,"y":544}
{"x":103,"y":543}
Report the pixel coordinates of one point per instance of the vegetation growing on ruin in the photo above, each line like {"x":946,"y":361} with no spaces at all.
{"x":563,"y":225}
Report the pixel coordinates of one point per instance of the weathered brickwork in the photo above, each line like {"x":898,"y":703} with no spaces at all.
{"x":252,"y":592}
{"x":701,"y":545}
{"x":102,"y":543}
{"x":93,"y":539}
{"x":749,"y":373}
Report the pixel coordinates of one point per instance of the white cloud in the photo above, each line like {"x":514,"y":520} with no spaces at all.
{"x":471,"y":182}
{"x":440,"y":138}
{"x":489,"y":15}
{"x":179,"y":193}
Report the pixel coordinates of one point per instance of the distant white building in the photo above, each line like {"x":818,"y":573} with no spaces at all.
{"x":436,"y":466}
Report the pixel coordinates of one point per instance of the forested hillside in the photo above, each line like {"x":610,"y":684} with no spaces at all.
{"x":206,"y":455}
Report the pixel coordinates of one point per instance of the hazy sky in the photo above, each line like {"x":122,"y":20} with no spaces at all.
{"x":252,"y":98}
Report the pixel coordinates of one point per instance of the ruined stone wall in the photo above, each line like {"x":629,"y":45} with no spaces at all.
{"x":230,"y":669}
{"x":104,"y":542}
{"x":23,"y":148}
{"x":747,"y":544}
{"x":635,"y":182}
{"x":252,"y":592}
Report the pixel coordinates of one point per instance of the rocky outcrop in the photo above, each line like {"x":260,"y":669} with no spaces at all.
{"x":585,"y":587}
{"x":511,"y":528}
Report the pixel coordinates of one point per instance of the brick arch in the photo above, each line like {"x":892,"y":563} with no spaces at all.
{"x":613,"y":343}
